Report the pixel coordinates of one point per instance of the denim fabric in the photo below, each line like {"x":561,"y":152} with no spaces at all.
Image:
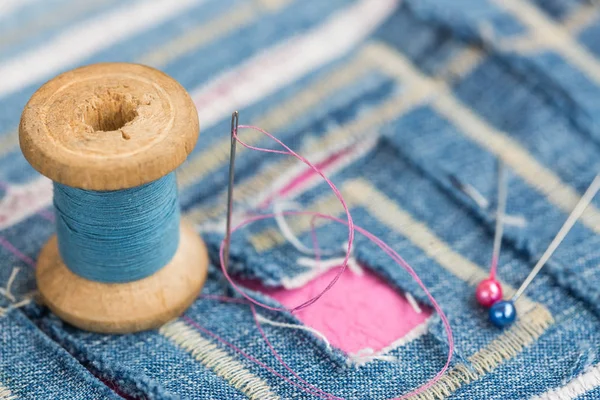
{"x":33,"y":366}
{"x":593,"y":394}
{"x":436,"y":92}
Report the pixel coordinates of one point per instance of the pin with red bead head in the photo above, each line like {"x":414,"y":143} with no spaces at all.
{"x":489,"y":291}
{"x":504,"y":313}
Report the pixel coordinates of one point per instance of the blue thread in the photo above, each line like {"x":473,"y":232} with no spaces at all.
{"x":118,"y":236}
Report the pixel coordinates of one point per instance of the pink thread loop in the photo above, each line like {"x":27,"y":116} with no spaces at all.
{"x":337,"y":193}
{"x":306,"y":386}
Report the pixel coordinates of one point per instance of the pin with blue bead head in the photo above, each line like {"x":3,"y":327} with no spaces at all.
{"x":504,"y":313}
{"x":110,"y":137}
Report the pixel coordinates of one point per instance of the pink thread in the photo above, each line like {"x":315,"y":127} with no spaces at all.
{"x":351,"y":228}
{"x":352,"y":322}
{"x":8,"y":246}
{"x":306,"y":175}
{"x":337,"y":193}
{"x":253,"y":359}
{"x":311,"y":389}
{"x":390,"y":252}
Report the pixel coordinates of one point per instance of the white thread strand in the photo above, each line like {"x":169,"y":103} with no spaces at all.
{"x":483,"y":203}
{"x":518,"y":221}
{"x":413,"y":303}
{"x":474,"y":194}
{"x":5,"y":393}
{"x":320,"y":266}
{"x":315,"y":332}
{"x":367,"y":355}
{"x":19,"y":304}
{"x":7,"y":291}
{"x":278,"y":208}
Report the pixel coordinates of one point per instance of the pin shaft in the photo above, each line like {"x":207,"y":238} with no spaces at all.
{"x":500,"y":212}
{"x":586,"y":199}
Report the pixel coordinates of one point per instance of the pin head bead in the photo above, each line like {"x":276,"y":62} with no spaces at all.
{"x":488,"y":292}
{"x":503,"y":313}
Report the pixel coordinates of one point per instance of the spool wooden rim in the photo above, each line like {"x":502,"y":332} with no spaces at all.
{"x":124,"y":307}
{"x":108,"y":126}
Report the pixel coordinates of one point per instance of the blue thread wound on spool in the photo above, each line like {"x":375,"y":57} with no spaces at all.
{"x":118,"y":236}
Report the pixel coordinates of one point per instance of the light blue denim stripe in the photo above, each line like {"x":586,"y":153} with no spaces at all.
{"x":461,"y":158}
{"x":225,"y":315}
{"x":197,"y":67}
{"x":431,"y":47}
{"x":26,"y":12}
{"x":558,"y":10}
{"x":466,"y":18}
{"x":14,"y":39}
{"x":410,"y":165}
{"x":159,"y":36}
{"x":571,"y":116}
{"x":460,"y":229}
{"x":589,"y":37}
{"x":11,"y":106}
{"x":335,"y":110}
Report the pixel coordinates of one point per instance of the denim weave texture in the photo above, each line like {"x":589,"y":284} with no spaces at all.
{"x":398,"y":100}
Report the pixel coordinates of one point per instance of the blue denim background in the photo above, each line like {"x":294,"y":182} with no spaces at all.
{"x":439,"y":89}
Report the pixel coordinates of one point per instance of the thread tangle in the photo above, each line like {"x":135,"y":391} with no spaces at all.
{"x":299,"y":382}
{"x":118,"y":236}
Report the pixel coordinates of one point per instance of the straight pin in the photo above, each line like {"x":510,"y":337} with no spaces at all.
{"x":489,"y":291}
{"x":585,"y":201}
{"x":504,"y":312}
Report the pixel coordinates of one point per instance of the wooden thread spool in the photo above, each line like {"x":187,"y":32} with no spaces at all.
{"x":108,"y":127}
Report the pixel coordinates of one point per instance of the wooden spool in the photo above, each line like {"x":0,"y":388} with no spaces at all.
{"x":108,"y":127}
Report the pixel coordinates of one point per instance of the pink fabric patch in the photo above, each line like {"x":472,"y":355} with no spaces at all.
{"x":358,"y":312}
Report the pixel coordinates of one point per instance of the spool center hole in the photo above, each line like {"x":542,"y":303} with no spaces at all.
{"x":110,"y":112}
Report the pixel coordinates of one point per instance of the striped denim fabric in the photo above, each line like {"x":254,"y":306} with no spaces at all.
{"x":396,"y":101}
